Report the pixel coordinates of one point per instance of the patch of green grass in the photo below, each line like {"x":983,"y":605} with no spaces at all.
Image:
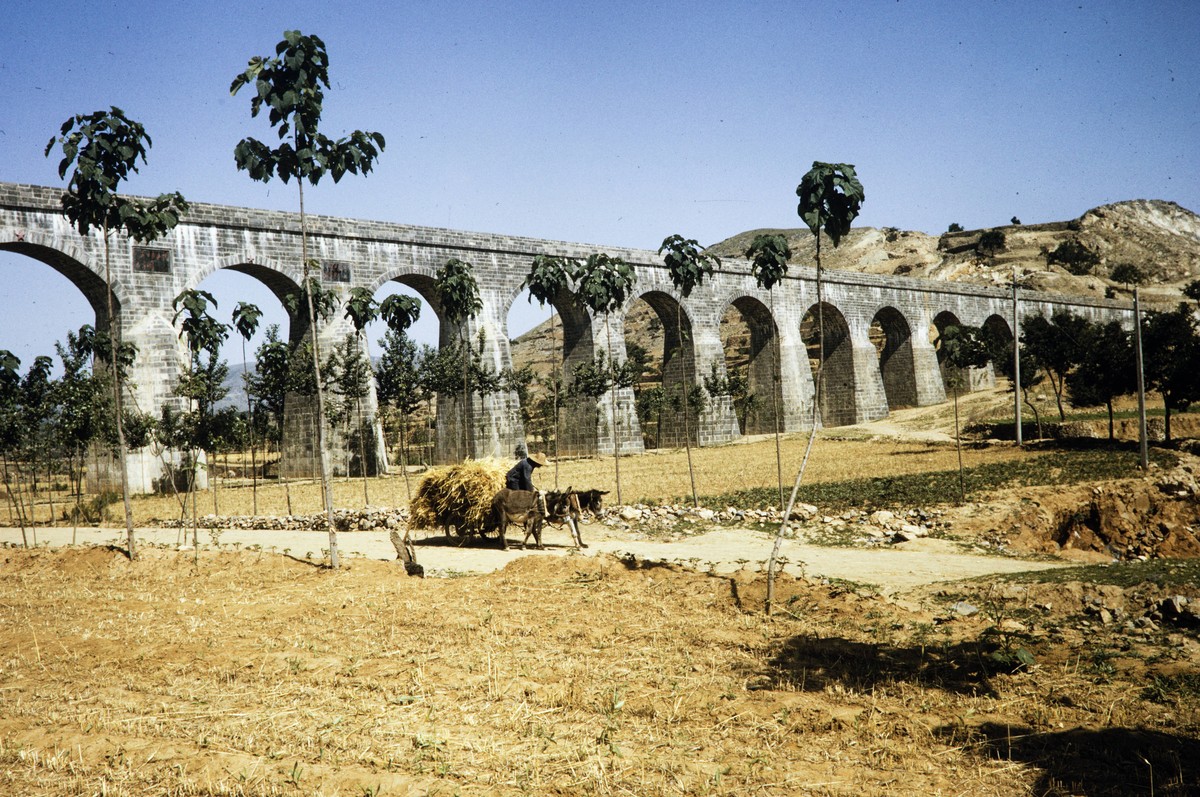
{"x":1166,"y":573}
{"x":1171,"y":688}
{"x":941,"y":487}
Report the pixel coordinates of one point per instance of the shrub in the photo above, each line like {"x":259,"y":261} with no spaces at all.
{"x":1074,"y":257}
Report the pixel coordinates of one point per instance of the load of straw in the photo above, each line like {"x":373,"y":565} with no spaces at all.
{"x":457,"y":496}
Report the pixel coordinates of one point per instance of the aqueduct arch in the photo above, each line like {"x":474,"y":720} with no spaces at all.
{"x":859,"y":384}
{"x":752,"y":355}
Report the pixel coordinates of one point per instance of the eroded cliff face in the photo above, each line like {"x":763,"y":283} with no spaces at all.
{"x":1161,"y":238}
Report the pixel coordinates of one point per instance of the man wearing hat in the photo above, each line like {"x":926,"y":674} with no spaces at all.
{"x":520,"y":476}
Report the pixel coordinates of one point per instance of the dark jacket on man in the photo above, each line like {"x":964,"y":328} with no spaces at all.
{"x":520,"y":476}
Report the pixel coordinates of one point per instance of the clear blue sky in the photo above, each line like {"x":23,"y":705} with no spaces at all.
{"x":621,"y":123}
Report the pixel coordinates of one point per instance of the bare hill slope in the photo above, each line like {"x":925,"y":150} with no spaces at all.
{"x":1161,"y":238}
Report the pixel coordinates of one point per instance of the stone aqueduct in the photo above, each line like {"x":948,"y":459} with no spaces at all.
{"x":863,"y":380}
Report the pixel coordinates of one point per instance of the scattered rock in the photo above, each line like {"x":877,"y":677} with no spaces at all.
{"x":964,"y":609}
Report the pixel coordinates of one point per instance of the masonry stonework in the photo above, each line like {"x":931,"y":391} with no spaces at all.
{"x":864,"y":378}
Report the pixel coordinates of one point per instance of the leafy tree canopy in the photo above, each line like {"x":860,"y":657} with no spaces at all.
{"x":549,"y":277}
{"x":830,"y":198}
{"x":291,"y":85}
{"x":768,"y":254}
{"x":101,"y":150}
{"x":687,"y":264}
{"x":605,"y":282}
{"x":457,"y":290}
{"x":1074,"y":257}
{"x":1127,"y":274}
{"x":399,"y":312}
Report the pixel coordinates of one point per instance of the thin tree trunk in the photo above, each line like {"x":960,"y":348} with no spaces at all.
{"x":687,"y":395}
{"x":78,"y":493}
{"x":615,"y":436}
{"x":13,"y":502}
{"x":287,"y":483}
{"x":404,"y":452}
{"x":557,"y":382}
{"x":250,"y":420}
{"x":1037,"y":416}
{"x":465,"y":417}
{"x":31,"y":512}
{"x":195,"y":522}
{"x":326,"y":480}
{"x":362,"y":450}
{"x":816,"y":420}
{"x":1058,"y":387}
{"x":777,"y":375}
{"x":1111,"y":434}
{"x":8,"y":492}
{"x":212,"y":476}
{"x":114,"y":338}
{"x":962,"y":490}
{"x":363,"y":433}
{"x":50,"y":493}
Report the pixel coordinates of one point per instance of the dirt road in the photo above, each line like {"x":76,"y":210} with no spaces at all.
{"x":892,"y":568}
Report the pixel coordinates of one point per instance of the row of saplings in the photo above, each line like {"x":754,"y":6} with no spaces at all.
{"x":471,"y":499}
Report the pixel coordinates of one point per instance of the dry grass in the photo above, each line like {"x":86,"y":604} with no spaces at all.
{"x":258,"y":674}
{"x":652,"y":477}
{"x":458,"y":495}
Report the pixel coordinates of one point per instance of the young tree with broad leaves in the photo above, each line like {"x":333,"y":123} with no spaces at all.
{"x":830,"y":199}
{"x":10,"y":427}
{"x":1171,"y":342}
{"x":268,"y":384}
{"x":80,"y":399}
{"x":963,"y":347}
{"x":203,"y":383}
{"x":605,"y":283}
{"x":401,"y":386}
{"x":1058,"y":344}
{"x":769,"y":254}
{"x":100,"y":151}
{"x":361,"y":308}
{"x":1032,"y":374}
{"x":1105,"y":370}
{"x":39,"y":419}
{"x":245,"y":320}
{"x":688,"y":266}
{"x":550,"y":278}
{"x":291,"y":85}
{"x":458,"y":295}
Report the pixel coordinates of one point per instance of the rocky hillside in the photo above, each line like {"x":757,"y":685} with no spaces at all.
{"x":1161,"y":238}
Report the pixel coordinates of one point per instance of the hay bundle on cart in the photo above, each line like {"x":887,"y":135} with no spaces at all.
{"x":457,"y":497}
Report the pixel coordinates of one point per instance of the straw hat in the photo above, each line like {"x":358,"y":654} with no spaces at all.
{"x":537,"y":459}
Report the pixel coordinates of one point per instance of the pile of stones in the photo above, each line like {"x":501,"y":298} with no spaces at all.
{"x":867,"y":528}
{"x":368,"y":519}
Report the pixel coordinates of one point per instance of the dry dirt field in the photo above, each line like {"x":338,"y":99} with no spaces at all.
{"x":255,"y":672}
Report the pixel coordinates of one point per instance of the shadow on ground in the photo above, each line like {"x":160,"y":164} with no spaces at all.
{"x":1098,"y":763}
{"x":812,"y":663}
